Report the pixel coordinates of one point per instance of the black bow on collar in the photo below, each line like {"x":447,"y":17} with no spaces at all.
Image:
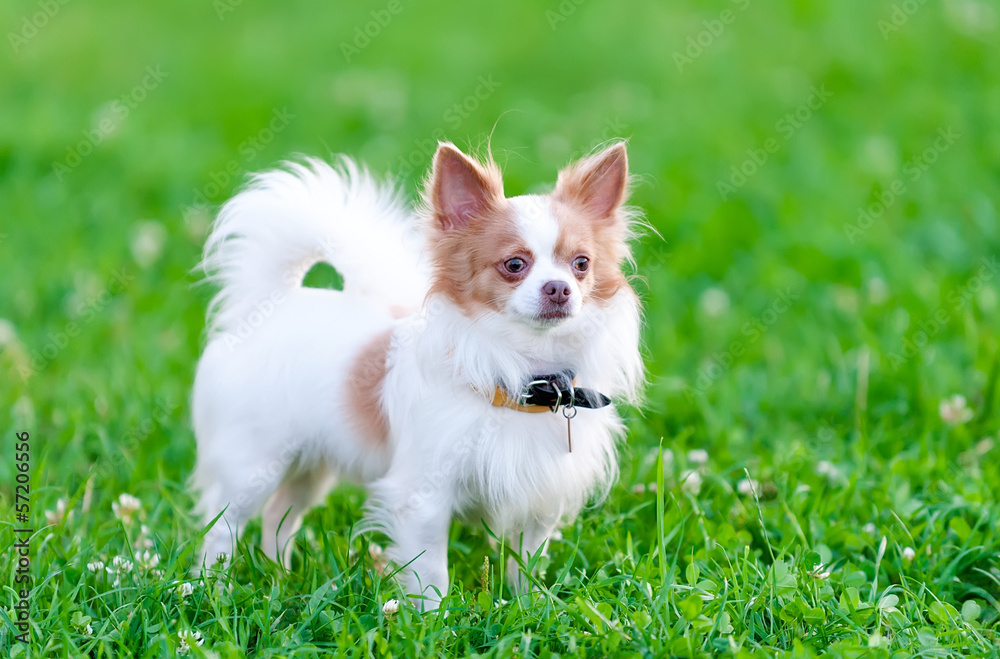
{"x":557,"y":390}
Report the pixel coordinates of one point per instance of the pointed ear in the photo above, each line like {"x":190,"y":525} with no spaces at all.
{"x":461,"y":189}
{"x":597,"y":183}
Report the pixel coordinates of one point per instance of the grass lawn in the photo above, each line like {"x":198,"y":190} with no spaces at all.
{"x":802,"y":480}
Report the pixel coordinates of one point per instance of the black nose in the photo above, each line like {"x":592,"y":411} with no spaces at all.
{"x":557,"y":291}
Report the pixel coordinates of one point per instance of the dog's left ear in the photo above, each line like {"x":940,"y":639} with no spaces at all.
{"x":598,"y":183}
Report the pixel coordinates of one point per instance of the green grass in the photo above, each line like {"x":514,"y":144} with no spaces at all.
{"x":803,"y":345}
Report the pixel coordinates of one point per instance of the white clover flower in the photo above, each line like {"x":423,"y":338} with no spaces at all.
{"x":187,"y":640}
{"x":668,"y":459}
{"x":88,"y":630}
{"x":827,"y":468}
{"x":185,"y":589}
{"x":639,"y":488}
{"x":379,"y":560}
{"x":954,"y":410}
{"x":148,"y":239}
{"x":390,"y":607}
{"x":120,"y":564}
{"x":56,"y":516}
{"x":691,"y":481}
{"x":144,"y":541}
{"x":7,"y":333}
{"x":148,"y":560}
{"x":95,"y":566}
{"x":878,"y":290}
{"x":831,"y":472}
{"x":819,"y":571}
{"x":909,"y":554}
{"x":869,"y":528}
{"x":714,"y":302}
{"x":126,"y":507}
{"x":748,"y":487}
{"x":698,"y":456}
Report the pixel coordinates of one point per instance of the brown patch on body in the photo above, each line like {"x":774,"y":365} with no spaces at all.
{"x":398,"y":311}
{"x":364,"y":390}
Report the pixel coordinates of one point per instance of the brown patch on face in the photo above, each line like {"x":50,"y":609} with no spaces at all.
{"x":469,"y":262}
{"x":473,"y":228}
{"x":364,"y":394}
{"x":472,"y":231}
{"x":601,"y":241}
{"x":587,"y":205}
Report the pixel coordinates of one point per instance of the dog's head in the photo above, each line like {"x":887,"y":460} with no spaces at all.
{"x":536,"y":259}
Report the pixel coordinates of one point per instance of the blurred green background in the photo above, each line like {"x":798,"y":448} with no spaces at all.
{"x":822,"y":179}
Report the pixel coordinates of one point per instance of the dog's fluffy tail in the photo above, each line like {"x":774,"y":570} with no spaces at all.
{"x":268,"y":236}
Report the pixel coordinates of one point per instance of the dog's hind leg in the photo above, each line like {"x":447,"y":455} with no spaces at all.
{"x":237,"y":488}
{"x":300,"y":490}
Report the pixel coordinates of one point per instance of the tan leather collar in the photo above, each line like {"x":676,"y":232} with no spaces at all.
{"x":503,"y":399}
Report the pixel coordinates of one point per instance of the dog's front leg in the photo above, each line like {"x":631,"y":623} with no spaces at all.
{"x":533,"y":538}
{"x":420,"y":549}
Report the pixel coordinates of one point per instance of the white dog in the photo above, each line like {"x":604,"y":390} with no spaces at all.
{"x":421,"y":379}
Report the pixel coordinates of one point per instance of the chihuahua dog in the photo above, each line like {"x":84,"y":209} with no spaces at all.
{"x":466,"y":370}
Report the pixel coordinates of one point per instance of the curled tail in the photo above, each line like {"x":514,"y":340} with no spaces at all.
{"x":267,"y":237}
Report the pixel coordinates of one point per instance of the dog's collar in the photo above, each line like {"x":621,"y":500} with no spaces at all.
{"x":550,"y":393}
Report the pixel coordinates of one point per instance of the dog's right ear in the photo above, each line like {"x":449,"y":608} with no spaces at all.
{"x":461,"y":188}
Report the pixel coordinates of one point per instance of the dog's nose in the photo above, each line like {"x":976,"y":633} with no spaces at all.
{"x":557,"y":291}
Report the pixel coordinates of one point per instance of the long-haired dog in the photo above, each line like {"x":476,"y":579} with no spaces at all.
{"x":466,"y":370}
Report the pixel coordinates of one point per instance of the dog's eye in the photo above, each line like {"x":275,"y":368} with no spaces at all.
{"x":581,"y":264}
{"x":514,"y":265}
